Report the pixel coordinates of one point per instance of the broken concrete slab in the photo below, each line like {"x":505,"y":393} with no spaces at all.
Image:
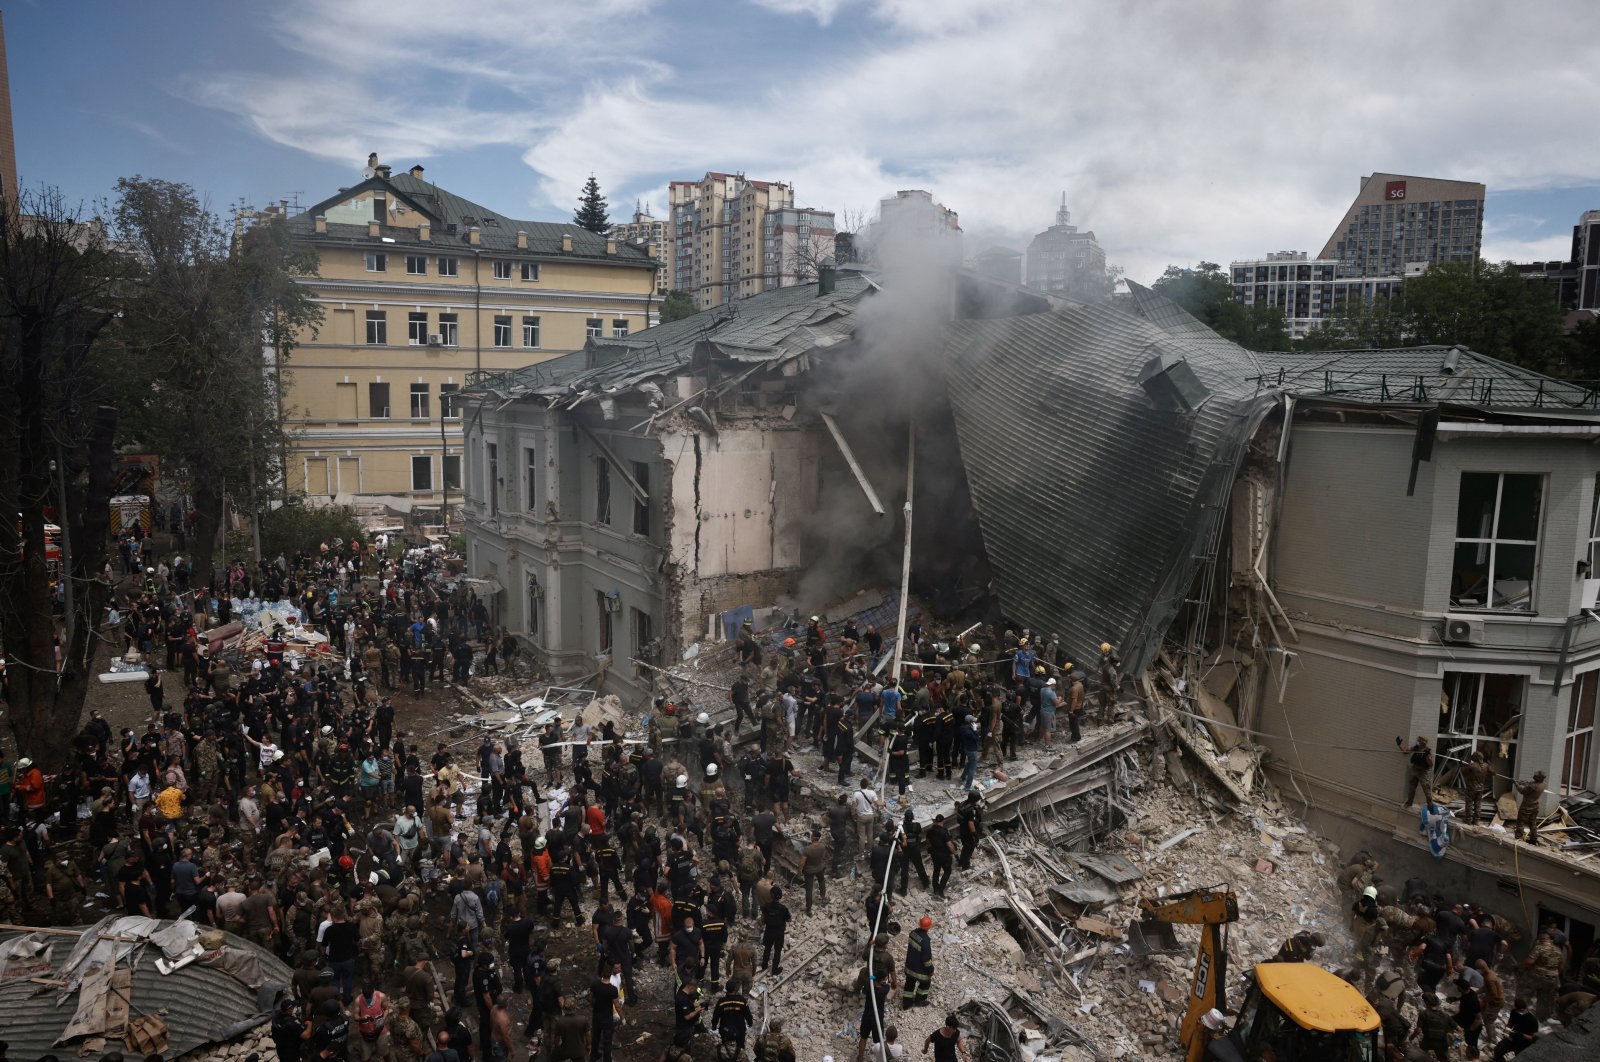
{"x":969,"y":909}
{"x":1117,"y":869}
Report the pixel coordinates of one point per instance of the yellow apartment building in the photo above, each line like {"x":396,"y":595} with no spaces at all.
{"x":421,"y":289}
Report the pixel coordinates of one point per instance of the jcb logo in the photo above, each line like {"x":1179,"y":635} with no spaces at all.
{"x":1202,"y":977}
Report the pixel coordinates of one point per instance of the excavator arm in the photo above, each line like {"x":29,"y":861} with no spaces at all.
{"x":1212,"y":909}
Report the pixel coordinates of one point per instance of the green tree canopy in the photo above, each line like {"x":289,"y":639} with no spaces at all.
{"x":591,"y":213}
{"x":1207,"y":293}
{"x":676,"y":306}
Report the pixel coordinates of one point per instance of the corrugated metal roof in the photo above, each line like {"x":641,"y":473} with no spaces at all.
{"x":197,"y":1002}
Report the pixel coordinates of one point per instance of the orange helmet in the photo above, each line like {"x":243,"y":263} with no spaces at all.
{"x":925,"y":922}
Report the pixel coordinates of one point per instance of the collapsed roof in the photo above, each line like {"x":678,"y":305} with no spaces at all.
{"x":1101,"y":444}
{"x":114,"y":969}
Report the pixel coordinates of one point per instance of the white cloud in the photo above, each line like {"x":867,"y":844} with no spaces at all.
{"x":1548,"y":249}
{"x":1179,"y":131}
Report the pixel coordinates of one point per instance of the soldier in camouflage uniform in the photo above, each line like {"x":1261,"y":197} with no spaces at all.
{"x":1530,"y":794}
{"x":8,"y":900}
{"x":64,"y":886}
{"x":369,"y":924}
{"x":1541,"y":976}
{"x":207,"y":764}
{"x":407,"y":1041}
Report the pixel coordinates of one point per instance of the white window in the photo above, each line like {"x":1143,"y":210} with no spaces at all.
{"x":447,"y":400}
{"x":502,"y":330}
{"x":530,"y":331}
{"x":417,"y":328}
{"x":619,"y":328}
{"x":1497,"y":541}
{"x":448,"y":332}
{"x":449,"y":267}
{"x":417,"y":265}
{"x":502,"y":269}
{"x":1478,"y":713}
{"x":377,"y":327}
{"x":419,"y":401}
{"x":593,"y":327}
{"x":421,"y":472}
{"x":530,"y":272}
{"x":377,"y":262}
{"x":1577,"y":754}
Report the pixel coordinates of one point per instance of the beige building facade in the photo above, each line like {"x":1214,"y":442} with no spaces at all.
{"x":719,"y":232}
{"x":421,"y":289}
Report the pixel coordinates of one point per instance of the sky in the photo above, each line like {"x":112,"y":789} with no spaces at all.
{"x":1179,"y":132}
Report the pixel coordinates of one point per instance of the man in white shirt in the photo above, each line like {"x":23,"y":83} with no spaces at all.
{"x":139,"y":791}
{"x":865,"y":803}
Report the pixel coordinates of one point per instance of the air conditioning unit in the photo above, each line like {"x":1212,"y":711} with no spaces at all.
{"x":435,"y":340}
{"x":1463,"y":630}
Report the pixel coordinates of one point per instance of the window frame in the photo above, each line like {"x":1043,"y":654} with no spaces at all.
{"x":502,"y":330}
{"x":417,"y":337}
{"x":594,"y":327}
{"x":619,"y":328}
{"x":502,"y":268}
{"x":641,"y":509}
{"x":427,"y":463}
{"x":372,"y":393}
{"x":452,"y":480}
{"x":530,"y":483}
{"x":416,"y":391}
{"x":450,"y":329}
{"x":530,"y":331}
{"x":1456,"y":746}
{"x":1489,"y":545}
{"x":448,"y":265}
{"x":1578,"y":738}
{"x":420,"y":261}
{"x":530,"y":272}
{"x":602,"y":490}
{"x":605,"y":643}
{"x":448,"y":394}
{"x":377,"y":328}
{"x":376,"y":261}
{"x":491,"y":468}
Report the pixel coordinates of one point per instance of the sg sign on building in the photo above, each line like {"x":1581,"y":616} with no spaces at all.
{"x":1394,"y":190}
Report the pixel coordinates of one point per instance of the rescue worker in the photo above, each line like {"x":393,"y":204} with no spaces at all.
{"x":1110,"y":679}
{"x":1529,"y":794}
{"x":732,"y":1019}
{"x":1476,"y":779}
{"x":1541,"y":976}
{"x":1419,"y":767}
{"x":919,"y":965}
{"x":970,"y":817}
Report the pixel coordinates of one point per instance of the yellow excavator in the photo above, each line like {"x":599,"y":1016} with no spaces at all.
{"x":1292,"y":1012}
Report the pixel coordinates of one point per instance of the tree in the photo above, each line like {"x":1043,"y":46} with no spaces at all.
{"x":591,"y":213}
{"x":676,"y":306}
{"x":58,"y":295}
{"x":1207,"y":294}
{"x":297,"y":525}
{"x":211,"y":316}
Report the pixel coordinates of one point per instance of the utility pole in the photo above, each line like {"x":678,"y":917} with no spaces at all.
{"x":444,"y":472}
{"x":64,"y":572}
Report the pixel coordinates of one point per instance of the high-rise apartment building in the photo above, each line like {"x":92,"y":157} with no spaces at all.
{"x":1399,"y":224}
{"x":1575,"y":283}
{"x":1308,"y":290}
{"x":915,"y":215}
{"x":797,"y":240}
{"x":1063,"y":259}
{"x":719,"y":235}
{"x":421,"y":290}
{"x":650,"y":233}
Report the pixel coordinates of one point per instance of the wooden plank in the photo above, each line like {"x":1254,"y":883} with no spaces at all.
{"x":850,"y":459}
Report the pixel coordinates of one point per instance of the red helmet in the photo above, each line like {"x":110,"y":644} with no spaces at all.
{"x":925,"y":923}
{"x":346,"y":863}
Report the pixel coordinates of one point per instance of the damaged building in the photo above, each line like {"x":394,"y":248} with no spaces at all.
{"x":625,"y":496}
{"x":1321,"y":552}
{"x":1325,"y":551}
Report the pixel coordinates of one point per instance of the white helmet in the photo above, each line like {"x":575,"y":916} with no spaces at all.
{"x":683,"y":781}
{"x":24,"y":763}
{"x":711,"y":770}
{"x":703,"y":718}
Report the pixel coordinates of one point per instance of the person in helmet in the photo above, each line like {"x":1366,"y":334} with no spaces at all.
{"x":919,"y":965}
{"x":30,"y":785}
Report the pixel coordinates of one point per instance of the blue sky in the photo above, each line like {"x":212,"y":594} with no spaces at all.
{"x":1179,"y":131}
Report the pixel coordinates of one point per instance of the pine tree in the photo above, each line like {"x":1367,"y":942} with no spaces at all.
{"x":591,"y":212}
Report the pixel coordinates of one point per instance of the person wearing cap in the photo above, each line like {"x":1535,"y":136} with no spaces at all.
{"x":1434,"y":1028}
{"x":971,"y":742}
{"x":1529,"y":795}
{"x":30,"y":785}
{"x":289,"y":1033}
{"x":1299,"y":948}
{"x":919,"y":965}
{"x":732,"y":1019}
{"x":1047,"y":713}
{"x":1109,"y":679}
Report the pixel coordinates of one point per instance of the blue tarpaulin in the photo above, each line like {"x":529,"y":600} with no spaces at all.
{"x":734,"y":619}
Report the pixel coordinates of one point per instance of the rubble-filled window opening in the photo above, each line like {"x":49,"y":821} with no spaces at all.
{"x":1497,"y":540}
{"x":421,"y":472}
{"x":452,"y":471}
{"x":491,"y":454}
{"x":641,"y":509}
{"x":602,"y":491}
{"x":1480,"y":713}
{"x":1577,"y":753}
{"x":603,"y":622}
{"x":377,"y":400}
{"x":377,"y":327}
{"x":530,"y":458}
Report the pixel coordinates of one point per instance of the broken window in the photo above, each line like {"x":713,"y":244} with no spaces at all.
{"x":1577,"y":754}
{"x":602,"y":491}
{"x":1479,"y":713}
{"x":641,"y":509}
{"x":602,"y":604}
{"x":1497,"y":541}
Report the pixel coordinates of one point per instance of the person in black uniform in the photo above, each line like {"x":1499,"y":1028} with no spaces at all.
{"x":970,"y":815}
{"x":899,"y":759}
{"x":910,"y":855}
{"x":941,"y":852}
{"x":732,"y":1017}
{"x":774,"y":927}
